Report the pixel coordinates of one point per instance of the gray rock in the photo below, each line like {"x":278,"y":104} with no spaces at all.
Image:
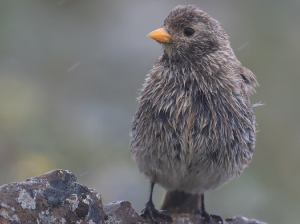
{"x":242,"y":220}
{"x":121,"y":212}
{"x":54,"y":197}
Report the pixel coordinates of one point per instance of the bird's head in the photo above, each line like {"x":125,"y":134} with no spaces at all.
{"x":189,"y":32}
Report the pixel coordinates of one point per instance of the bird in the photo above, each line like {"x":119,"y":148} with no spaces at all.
{"x":194,"y":129}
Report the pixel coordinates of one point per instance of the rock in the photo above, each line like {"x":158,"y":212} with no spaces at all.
{"x":54,"y":197}
{"x":122,"y":212}
{"x":242,"y":220}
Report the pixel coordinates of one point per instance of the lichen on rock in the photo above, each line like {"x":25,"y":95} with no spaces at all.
{"x":56,"y":197}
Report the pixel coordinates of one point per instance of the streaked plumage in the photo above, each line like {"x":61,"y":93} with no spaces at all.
{"x":194,"y":129}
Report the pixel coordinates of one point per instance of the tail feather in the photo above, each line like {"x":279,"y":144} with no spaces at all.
{"x":180,"y":200}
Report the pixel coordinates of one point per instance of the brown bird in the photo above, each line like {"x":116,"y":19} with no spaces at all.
{"x":194,"y":129}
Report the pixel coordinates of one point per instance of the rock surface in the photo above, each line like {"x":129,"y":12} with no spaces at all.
{"x":122,"y":212}
{"x":55,"y":197}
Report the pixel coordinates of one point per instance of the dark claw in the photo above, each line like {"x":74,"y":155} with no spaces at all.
{"x":204,"y":215}
{"x":208,"y":218}
{"x":152,"y":213}
{"x":217,"y":218}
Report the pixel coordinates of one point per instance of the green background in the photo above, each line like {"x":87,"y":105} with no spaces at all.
{"x":70,"y":71}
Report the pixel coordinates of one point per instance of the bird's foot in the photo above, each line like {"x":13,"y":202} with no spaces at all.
{"x":217,"y":218}
{"x":208,"y":218}
{"x":150,"y":211}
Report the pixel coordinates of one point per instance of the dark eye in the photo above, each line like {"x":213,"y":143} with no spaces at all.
{"x":189,"y":31}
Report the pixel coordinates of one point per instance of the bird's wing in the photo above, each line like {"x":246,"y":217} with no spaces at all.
{"x":249,"y":80}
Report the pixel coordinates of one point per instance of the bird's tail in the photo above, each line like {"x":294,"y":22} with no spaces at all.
{"x":180,"y":200}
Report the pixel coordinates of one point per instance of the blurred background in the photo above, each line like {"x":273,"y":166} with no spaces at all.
{"x":70,"y":71}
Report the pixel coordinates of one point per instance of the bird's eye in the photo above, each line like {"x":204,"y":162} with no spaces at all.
{"x":189,"y":31}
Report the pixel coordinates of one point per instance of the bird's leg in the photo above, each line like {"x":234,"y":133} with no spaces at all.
{"x":150,"y":211}
{"x":207,"y":217}
{"x":203,"y":212}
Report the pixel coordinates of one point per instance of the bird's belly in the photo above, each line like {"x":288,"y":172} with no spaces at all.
{"x":193,"y":152}
{"x":192,"y":174}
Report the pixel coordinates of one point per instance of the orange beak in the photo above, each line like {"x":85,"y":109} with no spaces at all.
{"x":160,"y":35}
